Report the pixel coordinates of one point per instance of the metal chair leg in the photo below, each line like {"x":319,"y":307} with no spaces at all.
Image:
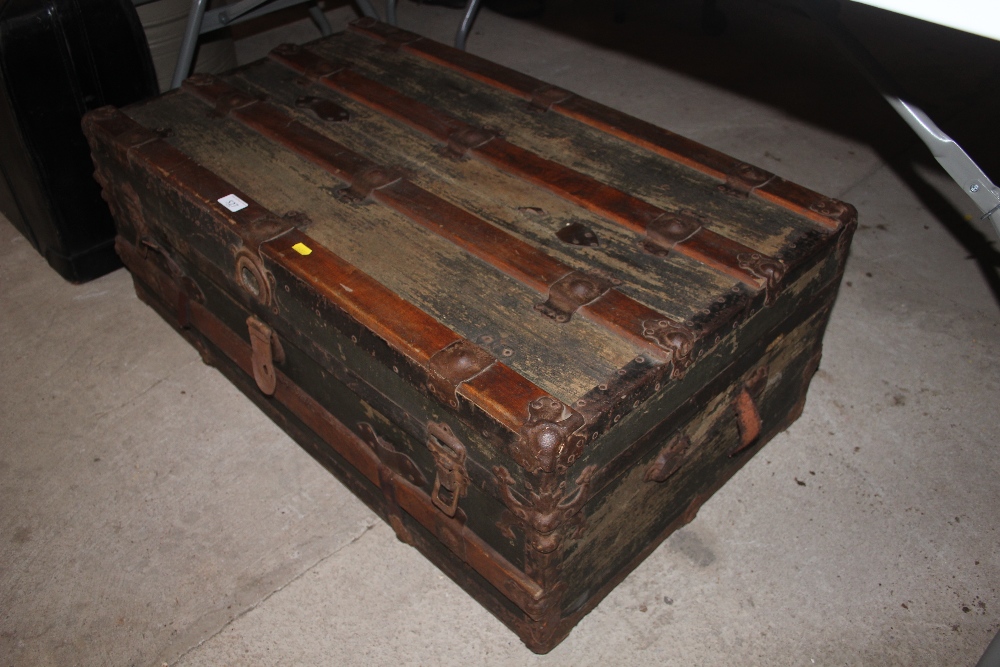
{"x":366,"y":9}
{"x":390,"y":12}
{"x":471,"y":10}
{"x":186,"y":56}
{"x":319,"y":18}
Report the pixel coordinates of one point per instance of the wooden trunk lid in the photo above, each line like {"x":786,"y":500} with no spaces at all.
{"x":532,"y":259}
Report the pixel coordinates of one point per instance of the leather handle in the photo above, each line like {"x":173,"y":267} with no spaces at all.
{"x":748,"y":420}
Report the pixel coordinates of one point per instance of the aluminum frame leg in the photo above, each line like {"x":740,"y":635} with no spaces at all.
{"x":319,"y":18}
{"x":952,"y":158}
{"x":185,"y":57}
{"x":366,"y":9}
{"x":471,"y":9}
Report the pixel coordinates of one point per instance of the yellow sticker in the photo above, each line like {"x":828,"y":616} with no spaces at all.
{"x":302,"y":248}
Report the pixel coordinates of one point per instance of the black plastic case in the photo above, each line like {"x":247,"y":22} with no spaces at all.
{"x":58,"y":60}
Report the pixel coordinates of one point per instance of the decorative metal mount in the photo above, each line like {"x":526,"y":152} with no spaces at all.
{"x":549,"y":442}
{"x":675,"y":338}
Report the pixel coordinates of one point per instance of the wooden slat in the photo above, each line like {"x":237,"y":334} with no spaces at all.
{"x":361,"y":297}
{"x":568,"y":183}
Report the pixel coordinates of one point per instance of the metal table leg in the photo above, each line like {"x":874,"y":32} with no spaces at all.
{"x":471,"y":10}
{"x":188,"y":44}
{"x":955,"y":161}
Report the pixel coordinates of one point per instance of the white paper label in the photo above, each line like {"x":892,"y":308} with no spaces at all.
{"x":233,"y":203}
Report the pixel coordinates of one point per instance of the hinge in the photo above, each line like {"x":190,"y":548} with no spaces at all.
{"x":265,"y":351}
{"x":452,"y":479}
{"x":571,"y":292}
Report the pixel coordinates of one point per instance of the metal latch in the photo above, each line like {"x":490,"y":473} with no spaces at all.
{"x":265,"y":351}
{"x":452,"y":479}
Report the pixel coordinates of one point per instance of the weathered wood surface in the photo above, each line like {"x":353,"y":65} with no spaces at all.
{"x":462,"y":292}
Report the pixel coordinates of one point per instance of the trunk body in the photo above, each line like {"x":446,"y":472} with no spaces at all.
{"x":533,"y":333}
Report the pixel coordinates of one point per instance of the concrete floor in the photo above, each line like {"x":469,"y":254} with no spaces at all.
{"x":150,"y":515}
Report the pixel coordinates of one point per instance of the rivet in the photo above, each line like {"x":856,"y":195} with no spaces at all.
{"x":640,"y":360}
{"x":656,"y":387}
{"x":507,"y":352}
{"x":636,"y":404}
{"x":602,"y":387}
{"x":395,"y":369}
{"x":617,"y":417}
{"x":354,"y":339}
{"x":581,"y":402}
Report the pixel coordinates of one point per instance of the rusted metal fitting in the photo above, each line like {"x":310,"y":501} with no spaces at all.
{"x":548,"y":438}
{"x":669,"y":460}
{"x":266,"y":350}
{"x":743,"y":179}
{"x":464,"y":139}
{"x":448,"y":368}
{"x":571,"y":292}
{"x":324,"y":109}
{"x":669,"y":229}
{"x":367,"y":182}
{"x":545,"y":96}
{"x":452,"y":479}
{"x":675,"y":338}
{"x":769,"y":270}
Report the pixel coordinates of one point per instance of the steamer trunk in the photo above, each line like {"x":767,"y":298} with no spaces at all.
{"x":533,"y":333}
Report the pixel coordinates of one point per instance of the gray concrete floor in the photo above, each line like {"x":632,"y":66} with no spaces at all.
{"x":150,"y":515}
